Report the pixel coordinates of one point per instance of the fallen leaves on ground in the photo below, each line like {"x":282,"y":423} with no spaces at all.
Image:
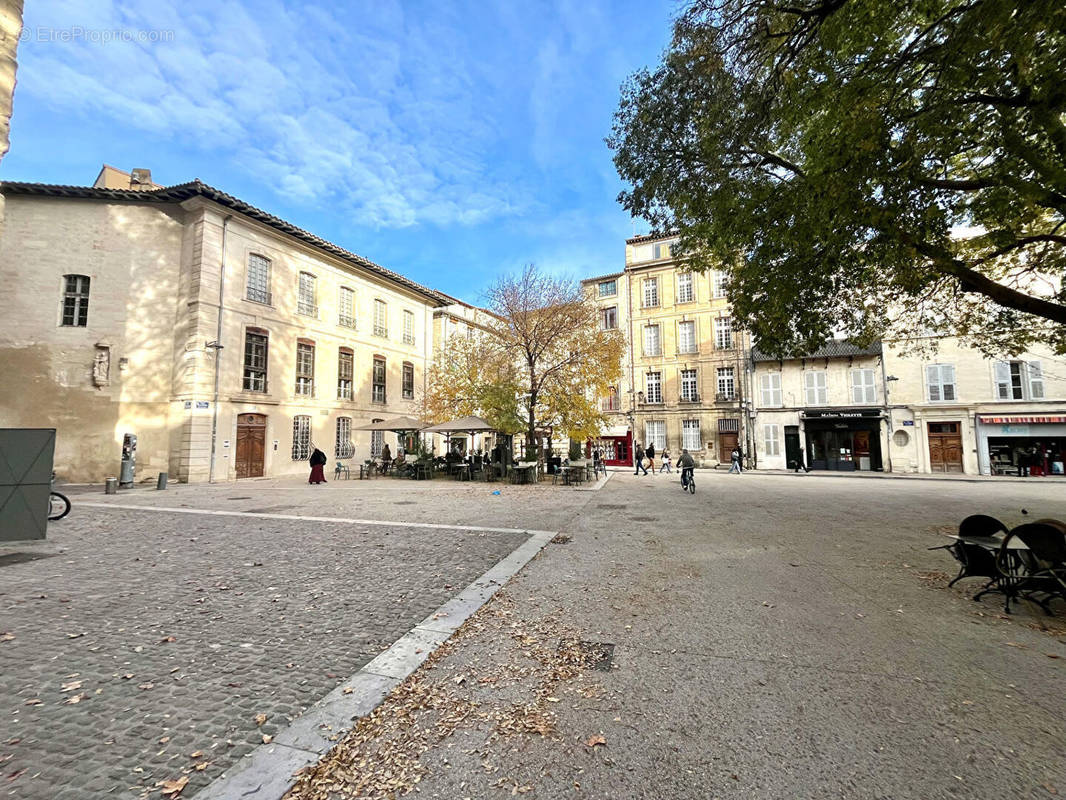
{"x":146,"y":686}
{"x":76,"y":698}
{"x":260,"y":719}
{"x":596,"y":740}
{"x":6,"y":636}
{"x":173,"y":788}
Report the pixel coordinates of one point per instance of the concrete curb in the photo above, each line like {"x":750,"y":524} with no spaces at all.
{"x":907,"y":477}
{"x":267,"y":772}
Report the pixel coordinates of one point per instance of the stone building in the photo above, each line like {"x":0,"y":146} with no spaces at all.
{"x":825,"y":409}
{"x":229,"y":341}
{"x":684,"y":382}
{"x":954,"y":410}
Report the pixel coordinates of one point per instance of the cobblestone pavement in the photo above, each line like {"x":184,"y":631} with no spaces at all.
{"x":138,"y":646}
{"x":773,"y":637}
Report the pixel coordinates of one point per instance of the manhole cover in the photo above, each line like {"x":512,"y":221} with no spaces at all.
{"x":238,"y":498}
{"x":598,"y":655}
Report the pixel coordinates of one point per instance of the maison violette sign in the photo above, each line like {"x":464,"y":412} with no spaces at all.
{"x":857,"y":413}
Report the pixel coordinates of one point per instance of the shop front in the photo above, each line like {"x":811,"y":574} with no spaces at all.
{"x":1021,"y":444}
{"x":844,"y":440}
{"x":615,"y":445}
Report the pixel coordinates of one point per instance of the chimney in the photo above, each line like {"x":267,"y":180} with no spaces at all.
{"x":141,"y":178}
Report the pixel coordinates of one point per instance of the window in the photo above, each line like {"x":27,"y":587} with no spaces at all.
{"x":723,"y":333}
{"x":377,"y":439}
{"x":686,"y":337}
{"x":685,"y":291}
{"x":727,"y":387}
{"x":651,"y":292}
{"x":815,"y":390}
{"x":381,"y":319}
{"x":901,"y":439}
{"x":609,"y":318}
{"x":718,"y":283}
{"x":608,"y":288}
{"x":690,"y":434}
{"x":863,"y":389}
{"x":345,"y":371}
{"x":770,"y":389}
{"x":301,"y":438}
{"x":408,"y":387}
{"x":255,"y":360}
{"x":306,"y":303}
{"x":408,"y":327}
{"x":346,"y":308}
{"x":378,"y":383}
{"x":654,"y":386}
{"x":258,"y":289}
{"x":689,"y":390}
{"x":76,"y":301}
{"x":344,"y":448}
{"x":610,"y":402}
{"x":652,"y":345}
{"x":655,"y":433}
{"x":305,"y":369}
{"x":940,"y":379}
{"x":1019,"y":380}
{"x":660,"y":250}
{"x":771,"y":435}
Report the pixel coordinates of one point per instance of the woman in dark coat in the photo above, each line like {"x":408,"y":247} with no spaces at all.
{"x":317,"y":460}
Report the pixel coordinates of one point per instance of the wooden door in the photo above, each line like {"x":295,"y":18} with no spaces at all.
{"x":726,"y":443}
{"x":945,"y":447}
{"x":861,"y":449}
{"x":251,"y":445}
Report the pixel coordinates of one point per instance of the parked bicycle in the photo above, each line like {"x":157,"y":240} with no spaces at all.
{"x":58,"y":504}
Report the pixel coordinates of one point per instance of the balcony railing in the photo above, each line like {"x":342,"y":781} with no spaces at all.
{"x":690,"y":398}
{"x":725,"y":397}
{"x":381,"y":330}
{"x":307,"y":309}
{"x":409,"y":338}
{"x":346,"y":321}
{"x":258,"y":296}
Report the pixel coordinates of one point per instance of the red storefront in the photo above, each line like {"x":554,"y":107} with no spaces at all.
{"x":616,"y":446}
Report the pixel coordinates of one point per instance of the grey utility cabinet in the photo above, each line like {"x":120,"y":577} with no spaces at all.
{"x":25,"y":481}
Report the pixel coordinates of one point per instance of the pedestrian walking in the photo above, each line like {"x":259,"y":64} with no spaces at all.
{"x":665,"y":464}
{"x":734,"y":458}
{"x":650,"y":453}
{"x":800,"y":464}
{"x":638,"y":459}
{"x":317,"y":462}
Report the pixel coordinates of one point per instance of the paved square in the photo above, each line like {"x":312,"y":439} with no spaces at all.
{"x":154,"y":636}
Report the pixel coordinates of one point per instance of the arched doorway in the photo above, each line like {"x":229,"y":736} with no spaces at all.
{"x":251,"y":445}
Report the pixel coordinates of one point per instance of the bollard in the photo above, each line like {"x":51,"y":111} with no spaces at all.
{"x":111,"y":486}
{"x":162,"y":482}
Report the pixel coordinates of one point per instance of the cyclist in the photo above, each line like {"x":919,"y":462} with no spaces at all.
{"x":685,"y":465}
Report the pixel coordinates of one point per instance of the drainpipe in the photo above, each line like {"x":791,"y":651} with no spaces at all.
{"x":218,"y":350}
{"x":888,"y":411}
{"x":632,"y":366}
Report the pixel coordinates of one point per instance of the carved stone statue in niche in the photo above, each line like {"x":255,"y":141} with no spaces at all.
{"x":102,"y":365}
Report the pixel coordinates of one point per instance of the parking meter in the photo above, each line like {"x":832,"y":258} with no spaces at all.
{"x":129,"y":461}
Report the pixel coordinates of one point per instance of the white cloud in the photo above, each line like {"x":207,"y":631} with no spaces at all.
{"x":373,"y":113}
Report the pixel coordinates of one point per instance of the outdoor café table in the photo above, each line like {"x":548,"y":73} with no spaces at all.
{"x":1012,"y":572}
{"x":523,"y":473}
{"x":462,"y":471}
{"x":573,"y":474}
{"x":420,"y":471}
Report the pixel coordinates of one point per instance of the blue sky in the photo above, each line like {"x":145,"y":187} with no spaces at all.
{"x":449,"y":141}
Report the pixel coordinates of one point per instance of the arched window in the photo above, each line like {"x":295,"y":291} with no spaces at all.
{"x":345,"y":448}
{"x":301,"y":438}
{"x":258,"y":285}
{"x":75,"y":301}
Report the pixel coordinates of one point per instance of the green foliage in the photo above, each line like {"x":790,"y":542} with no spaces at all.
{"x":862,"y":167}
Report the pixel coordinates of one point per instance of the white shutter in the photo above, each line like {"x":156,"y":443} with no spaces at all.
{"x":932,"y":379}
{"x":947,"y":381}
{"x":1003,"y":388}
{"x":1036,"y":381}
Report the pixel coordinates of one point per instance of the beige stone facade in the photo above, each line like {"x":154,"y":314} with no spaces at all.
{"x":825,"y":410}
{"x":153,"y":265}
{"x":685,"y":366}
{"x":958,"y":411}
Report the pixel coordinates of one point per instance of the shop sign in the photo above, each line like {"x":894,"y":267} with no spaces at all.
{"x":858,"y":413}
{"x":1015,"y":430}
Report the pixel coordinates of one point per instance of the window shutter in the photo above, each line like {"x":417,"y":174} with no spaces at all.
{"x":1003,"y":380}
{"x":1036,"y":381}
{"x":932,"y":379}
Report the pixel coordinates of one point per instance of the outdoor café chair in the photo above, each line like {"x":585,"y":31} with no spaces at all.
{"x":341,"y":468}
{"x":1044,"y":560}
{"x":976,"y":559}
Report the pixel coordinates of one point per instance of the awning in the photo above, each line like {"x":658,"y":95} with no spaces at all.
{"x":615,"y":430}
{"x":1023,"y":419}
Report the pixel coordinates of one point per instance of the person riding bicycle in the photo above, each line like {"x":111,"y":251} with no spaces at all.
{"x":685,"y":465}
